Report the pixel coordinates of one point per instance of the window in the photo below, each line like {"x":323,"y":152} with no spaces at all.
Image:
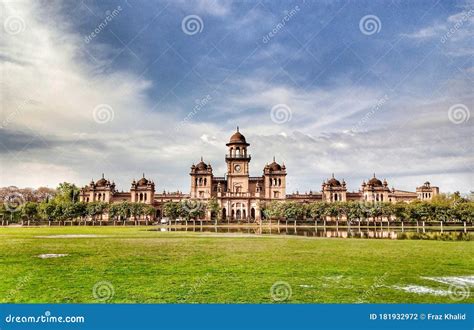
{"x":201,"y":194}
{"x":276,"y":194}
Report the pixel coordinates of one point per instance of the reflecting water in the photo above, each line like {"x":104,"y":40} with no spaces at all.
{"x":398,"y":233}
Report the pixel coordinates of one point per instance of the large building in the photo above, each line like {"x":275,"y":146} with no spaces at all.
{"x":241,"y":196}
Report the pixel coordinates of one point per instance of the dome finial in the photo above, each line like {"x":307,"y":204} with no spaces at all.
{"x":102,"y":175}
{"x":237,"y":128}
{"x":201,"y":158}
{"x":374,"y":174}
{"x":143,"y":174}
{"x":273,"y":158}
{"x":333,"y":175}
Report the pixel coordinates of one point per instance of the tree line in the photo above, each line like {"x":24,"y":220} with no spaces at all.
{"x":446,"y":208}
{"x":62,"y":204}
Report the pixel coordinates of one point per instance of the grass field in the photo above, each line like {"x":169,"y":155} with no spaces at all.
{"x":143,"y":266}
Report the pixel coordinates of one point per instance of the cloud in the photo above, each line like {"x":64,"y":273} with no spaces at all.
{"x":52,"y":89}
{"x":218,"y":8}
{"x":427,"y":32}
{"x":70,"y":111}
{"x":457,"y":28}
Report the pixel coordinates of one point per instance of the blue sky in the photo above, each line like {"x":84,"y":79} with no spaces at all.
{"x":395,"y":99}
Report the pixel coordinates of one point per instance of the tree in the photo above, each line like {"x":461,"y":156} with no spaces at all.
{"x":386,"y":210}
{"x":317,"y":210}
{"x":213,"y":206}
{"x":332,"y":210}
{"x":114,"y":210}
{"x":400,"y":211}
{"x":59,"y":213}
{"x":46,"y":210}
{"x":120,"y":211}
{"x":172,"y":210}
{"x":67,"y":192}
{"x":95,"y":209}
{"x":426,"y":211}
{"x":73,"y":211}
{"x":354,"y":211}
{"x":293,"y":210}
{"x":343,"y":209}
{"x":149,"y":211}
{"x":124,"y":210}
{"x":464,"y":211}
{"x":192,"y":209}
{"x":414,"y":211}
{"x":273,"y":210}
{"x":136,"y":210}
{"x":29,"y":210}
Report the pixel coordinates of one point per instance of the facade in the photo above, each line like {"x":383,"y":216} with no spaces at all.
{"x":241,"y":196}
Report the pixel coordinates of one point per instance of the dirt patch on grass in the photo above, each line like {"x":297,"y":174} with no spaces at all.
{"x":72,"y":236}
{"x":51,"y":255}
{"x":453,"y":280}
{"x":422,"y":290}
{"x":455,"y":283}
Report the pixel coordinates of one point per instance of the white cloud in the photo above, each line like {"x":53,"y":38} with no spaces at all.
{"x":210,"y":7}
{"x":457,"y":28}
{"x":51,"y":87}
{"x":427,"y":32}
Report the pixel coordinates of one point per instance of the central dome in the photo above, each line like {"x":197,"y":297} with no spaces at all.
{"x":333,"y":182}
{"x":375,"y":182}
{"x":237,"y":138}
{"x":275,"y":166}
{"x":201,"y":166}
{"x":102,"y":182}
{"x":142,"y":182}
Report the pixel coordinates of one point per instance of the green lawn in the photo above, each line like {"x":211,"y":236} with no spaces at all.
{"x":165,"y":267}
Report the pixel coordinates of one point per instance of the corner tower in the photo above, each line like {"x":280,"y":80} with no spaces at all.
{"x":274,"y":176}
{"x":201,"y":180}
{"x":334,"y":191}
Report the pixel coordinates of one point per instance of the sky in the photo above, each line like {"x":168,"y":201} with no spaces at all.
{"x":130,"y":87}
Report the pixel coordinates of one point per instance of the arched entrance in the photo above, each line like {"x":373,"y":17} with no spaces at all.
{"x":252,"y":213}
{"x":224,"y":214}
{"x":158,"y":214}
{"x":238,"y":215}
